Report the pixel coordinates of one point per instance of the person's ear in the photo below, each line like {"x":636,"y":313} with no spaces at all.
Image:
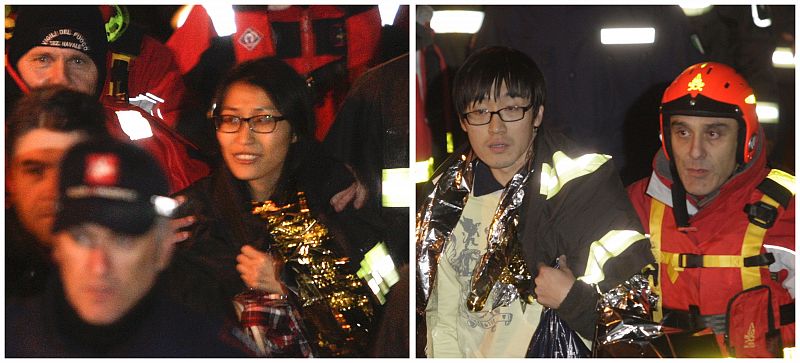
{"x":463,"y":124}
{"x":537,"y":121}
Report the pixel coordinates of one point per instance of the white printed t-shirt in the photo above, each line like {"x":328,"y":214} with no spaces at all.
{"x":453,"y":330}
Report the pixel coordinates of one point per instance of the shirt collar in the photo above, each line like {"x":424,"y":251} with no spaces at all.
{"x":484,"y":182}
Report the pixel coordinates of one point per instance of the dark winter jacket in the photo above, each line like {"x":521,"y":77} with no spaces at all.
{"x":203,"y":270}
{"x":46,"y":326}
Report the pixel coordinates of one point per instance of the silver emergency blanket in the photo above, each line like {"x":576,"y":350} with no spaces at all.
{"x":627,"y":310}
{"x":501,"y":271}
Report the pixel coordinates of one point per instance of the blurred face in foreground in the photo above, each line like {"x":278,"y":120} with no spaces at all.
{"x":32,"y":178}
{"x":104,"y":273}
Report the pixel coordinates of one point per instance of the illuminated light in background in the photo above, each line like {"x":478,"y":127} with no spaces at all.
{"x":761,"y":23}
{"x":134,"y":124}
{"x":180,"y":16}
{"x":388,"y":13}
{"x":767,"y":112}
{"x":783,"y":57}
{"x":627,"y":35}
{"x":695,"y":8}
{"x":456,"y":21}
{"x":223,"y":18}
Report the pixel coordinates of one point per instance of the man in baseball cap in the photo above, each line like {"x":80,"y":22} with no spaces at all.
{"x":111,"y":242}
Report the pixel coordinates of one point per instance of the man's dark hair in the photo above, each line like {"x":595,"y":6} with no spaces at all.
{"x":492,"y":66}
{"x":284,"y":87}
{"x":55,"y":108}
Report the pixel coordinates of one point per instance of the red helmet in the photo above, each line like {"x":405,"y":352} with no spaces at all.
{"x":712,"y":90}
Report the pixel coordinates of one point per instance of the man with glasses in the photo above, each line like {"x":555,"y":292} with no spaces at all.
{"x":505,"y":207}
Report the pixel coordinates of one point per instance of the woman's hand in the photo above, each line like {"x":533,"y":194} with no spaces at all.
{"x":176,"y":224}
{"x":356,"y":192}
{"x":259,"y":270}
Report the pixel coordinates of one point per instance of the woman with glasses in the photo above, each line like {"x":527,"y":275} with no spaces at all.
{"x":264,"y":125}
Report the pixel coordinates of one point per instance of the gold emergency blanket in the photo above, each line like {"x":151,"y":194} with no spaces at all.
{"x":334,"y":302}
{"x":501,"y":271}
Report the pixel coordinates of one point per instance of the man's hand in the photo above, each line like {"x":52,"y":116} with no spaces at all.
{"x":553,"y":285}
{"x":259,"y":270}
{"x":356,"y":192}
{"x":176,"y":224}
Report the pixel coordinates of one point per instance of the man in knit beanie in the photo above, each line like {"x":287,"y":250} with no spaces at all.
{"x":58,"y":45}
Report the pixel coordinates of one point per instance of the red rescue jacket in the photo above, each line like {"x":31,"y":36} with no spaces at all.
{"x":702,"y":267}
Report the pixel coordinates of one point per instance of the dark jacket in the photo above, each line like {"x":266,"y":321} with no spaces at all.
{"x":203,"y":270}
{"x":585,"y":210}
{"x":27,"y":262}
{"x":46,"y":326}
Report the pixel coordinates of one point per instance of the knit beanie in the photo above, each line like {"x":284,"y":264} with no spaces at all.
{"x":78,"y":27}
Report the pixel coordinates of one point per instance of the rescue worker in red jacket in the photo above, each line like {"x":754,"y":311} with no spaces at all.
{"x":331,"y":46}
{"x":720,"y":220}
{"x":67,"y":45}
{"x":142,"y":71}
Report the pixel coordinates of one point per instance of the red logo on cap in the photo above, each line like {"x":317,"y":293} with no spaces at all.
{"x":101,"y":169}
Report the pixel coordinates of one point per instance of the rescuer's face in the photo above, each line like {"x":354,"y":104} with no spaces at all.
{"x":704,"y":149}
{"x":47,"y":66}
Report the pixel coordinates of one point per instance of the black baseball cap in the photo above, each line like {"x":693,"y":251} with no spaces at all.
{"x":111,"y":183}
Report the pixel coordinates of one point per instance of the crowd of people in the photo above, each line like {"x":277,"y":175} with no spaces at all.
{"x":258,"y":237}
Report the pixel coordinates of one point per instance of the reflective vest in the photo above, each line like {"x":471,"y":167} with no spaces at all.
{"x":704,"y":273}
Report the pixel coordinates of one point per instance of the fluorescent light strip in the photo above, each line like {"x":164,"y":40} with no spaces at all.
{"x":627,"y":35}
{"x":783,"y":57}
{"x":761,"y":23}
{"x":767,"y":112}
{"x":456,"y":21}
{"x":388,"y":13}
{"x":223,"y":18}
{"x":695,"y":8}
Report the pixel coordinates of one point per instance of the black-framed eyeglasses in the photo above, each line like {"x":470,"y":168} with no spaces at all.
{"x":261,"y":124}
{"x":506,"y":114}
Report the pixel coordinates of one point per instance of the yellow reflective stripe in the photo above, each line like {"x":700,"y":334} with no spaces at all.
{"x":751,"y":246}
{"x":656,"y":216}
{"x":566,"y":169}
{"x":450,"y":147}
{"x":423,"y":170}
{"x":612,"y":244}
{"x":395,"y":188}
{"x":783,"y":178}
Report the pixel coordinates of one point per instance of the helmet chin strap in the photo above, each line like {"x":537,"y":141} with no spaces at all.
{"x":679,"y":210}
{"x":16,"y":77}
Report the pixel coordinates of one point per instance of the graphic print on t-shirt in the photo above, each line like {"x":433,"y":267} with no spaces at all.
{"x":465,"y":248}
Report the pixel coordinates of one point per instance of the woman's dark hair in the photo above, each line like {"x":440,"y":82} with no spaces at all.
{"x":287,"y":90}
{"x":55,"y":108}
{"x":492,"y":66}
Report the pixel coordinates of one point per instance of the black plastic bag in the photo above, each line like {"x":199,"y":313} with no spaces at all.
{"x":555,"y":339}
